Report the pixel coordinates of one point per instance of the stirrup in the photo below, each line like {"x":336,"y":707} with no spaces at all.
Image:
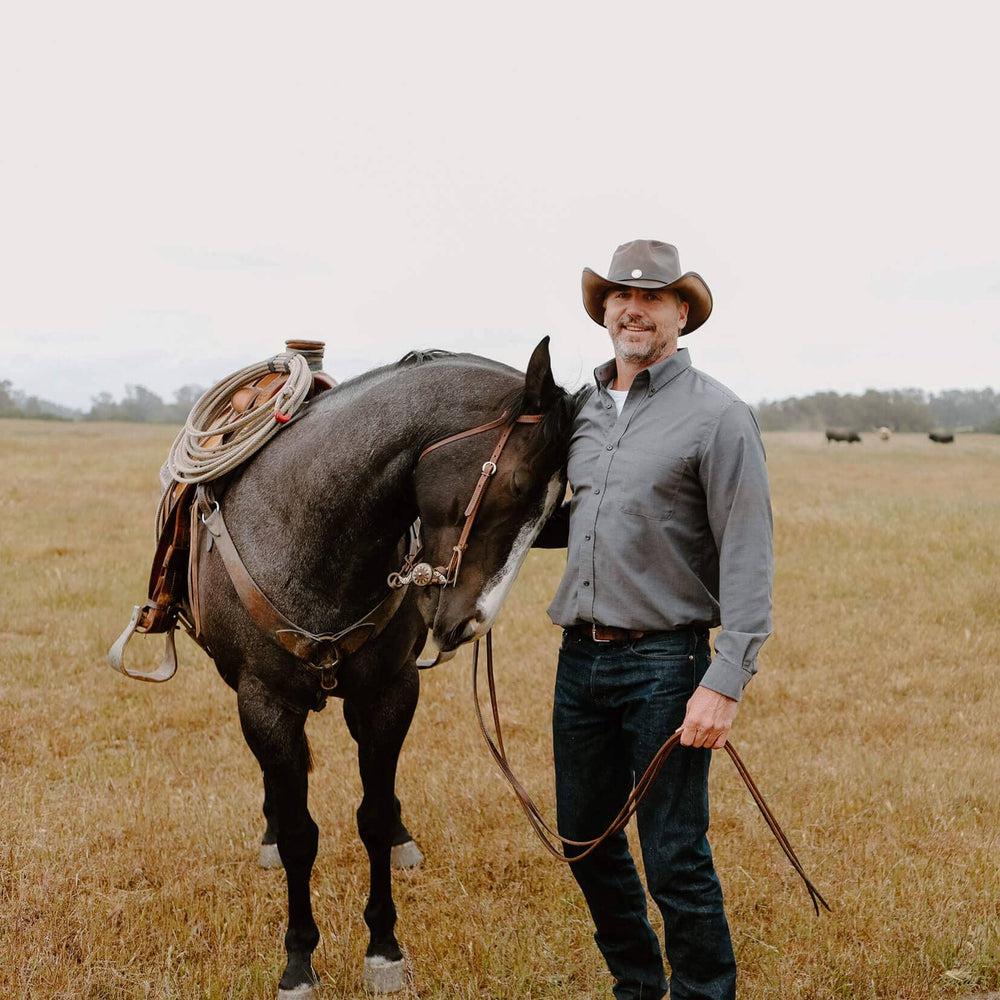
{"x":168,"y":665}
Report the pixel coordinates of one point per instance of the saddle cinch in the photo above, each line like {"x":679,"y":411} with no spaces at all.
{"x":254,"y":404}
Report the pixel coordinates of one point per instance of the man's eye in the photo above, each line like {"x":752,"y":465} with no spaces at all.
{"x":621,"y":295}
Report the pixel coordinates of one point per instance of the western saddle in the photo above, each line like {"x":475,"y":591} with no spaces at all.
{"x":172,"y":593}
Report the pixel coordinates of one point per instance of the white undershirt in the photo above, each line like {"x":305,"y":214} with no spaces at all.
{"x":619,"y":396}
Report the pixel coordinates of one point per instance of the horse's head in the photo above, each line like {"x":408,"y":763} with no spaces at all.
{"x":528,"y":482}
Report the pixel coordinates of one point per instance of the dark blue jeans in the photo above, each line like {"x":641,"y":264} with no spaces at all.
{"x":615,"y":705}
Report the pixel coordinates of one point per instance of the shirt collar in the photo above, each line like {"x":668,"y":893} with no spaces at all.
{"x":657,"y":375}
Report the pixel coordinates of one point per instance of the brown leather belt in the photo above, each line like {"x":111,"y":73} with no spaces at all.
{"x":606,"y":633}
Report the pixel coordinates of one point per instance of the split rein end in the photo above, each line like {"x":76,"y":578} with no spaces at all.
{"x":552,"y":840}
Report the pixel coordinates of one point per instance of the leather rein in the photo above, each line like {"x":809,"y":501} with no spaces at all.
{"x":551,"y":839}
{"x":323,"y":653}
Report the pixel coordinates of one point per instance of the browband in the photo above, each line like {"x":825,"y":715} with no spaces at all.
{"x":526,"y":418}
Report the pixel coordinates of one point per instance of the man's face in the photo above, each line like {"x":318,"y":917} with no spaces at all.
{"x":644,"y":323}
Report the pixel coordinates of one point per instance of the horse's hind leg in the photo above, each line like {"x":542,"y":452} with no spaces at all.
{"x":405,"y":852}
{"x":383,"y":724}
{"x":276,"y":735}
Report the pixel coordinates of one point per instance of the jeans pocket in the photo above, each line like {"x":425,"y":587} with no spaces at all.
{"x":661,"y":647}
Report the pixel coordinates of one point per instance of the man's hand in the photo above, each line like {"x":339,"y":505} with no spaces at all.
{"x":708,"y":719}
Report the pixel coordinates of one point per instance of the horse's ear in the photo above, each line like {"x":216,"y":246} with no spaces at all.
{"x":540,"y":389}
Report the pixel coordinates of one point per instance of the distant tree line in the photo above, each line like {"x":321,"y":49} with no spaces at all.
{"x":142,"y":406}
{"x":15,"y":403}
{"x":897,"y":409}
{"x":139,"y":405}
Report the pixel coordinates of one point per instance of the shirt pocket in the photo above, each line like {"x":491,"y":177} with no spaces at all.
{"x":650,"y":484}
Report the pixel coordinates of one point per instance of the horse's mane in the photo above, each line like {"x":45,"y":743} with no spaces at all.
{"x":551,"y":437}
{"x":418,"y":357}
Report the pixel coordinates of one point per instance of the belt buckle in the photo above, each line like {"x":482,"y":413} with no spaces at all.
{"x":593,"y":633}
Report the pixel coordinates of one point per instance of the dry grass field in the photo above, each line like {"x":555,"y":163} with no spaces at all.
{"x":130,"y":813}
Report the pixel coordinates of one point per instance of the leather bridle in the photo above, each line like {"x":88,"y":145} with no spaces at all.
{"x":423,"y":574}
{"x":323,"y":653}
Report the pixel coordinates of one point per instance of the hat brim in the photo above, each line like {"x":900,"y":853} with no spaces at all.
{"x":690,"y":287}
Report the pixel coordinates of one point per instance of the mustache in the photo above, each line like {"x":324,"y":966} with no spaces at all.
{"x":625,"y":321}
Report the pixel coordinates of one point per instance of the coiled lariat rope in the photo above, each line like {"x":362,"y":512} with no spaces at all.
{"x":552,"y":840}
{"x":191,"y":462}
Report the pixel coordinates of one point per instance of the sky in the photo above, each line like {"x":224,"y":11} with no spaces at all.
{"x":183,"y":187}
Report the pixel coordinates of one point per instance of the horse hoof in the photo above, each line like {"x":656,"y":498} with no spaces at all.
{"x":383,"y":975}
{"x":406,"y":855}
{"x":307,"y":991}
{"x":269,"y":856}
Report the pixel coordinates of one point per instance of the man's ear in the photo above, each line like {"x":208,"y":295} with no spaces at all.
{"x":540,"y":389}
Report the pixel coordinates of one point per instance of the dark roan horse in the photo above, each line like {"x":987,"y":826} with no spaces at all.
{"x":318,"y":517}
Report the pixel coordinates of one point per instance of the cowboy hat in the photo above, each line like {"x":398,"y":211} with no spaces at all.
{"x":648,"y":264}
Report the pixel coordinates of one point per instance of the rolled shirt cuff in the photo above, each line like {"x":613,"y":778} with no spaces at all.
{"x":728,"y":678}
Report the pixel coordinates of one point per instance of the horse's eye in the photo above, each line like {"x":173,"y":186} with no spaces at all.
{"x":519,"y":482}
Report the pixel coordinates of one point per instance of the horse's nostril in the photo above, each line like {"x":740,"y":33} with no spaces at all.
{"x":462,"y":632}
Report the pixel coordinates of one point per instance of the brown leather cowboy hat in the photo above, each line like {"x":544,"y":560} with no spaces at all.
{"x":648,"y":264}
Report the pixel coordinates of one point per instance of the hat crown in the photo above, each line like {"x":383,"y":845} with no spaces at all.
{"x":655,"y":261}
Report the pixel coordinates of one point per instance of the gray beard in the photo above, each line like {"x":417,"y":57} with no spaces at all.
{"x":630,"y":354}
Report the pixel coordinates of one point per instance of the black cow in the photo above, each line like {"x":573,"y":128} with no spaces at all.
{"x":941,"y":438}
{"x":839,"y":434}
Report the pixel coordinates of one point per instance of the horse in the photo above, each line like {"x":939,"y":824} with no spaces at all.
{"x":320,"y":516}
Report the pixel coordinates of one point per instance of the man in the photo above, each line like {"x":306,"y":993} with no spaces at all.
{"x":668,"y":534}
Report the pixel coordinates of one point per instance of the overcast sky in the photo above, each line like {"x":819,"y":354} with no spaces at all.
{"x":184,"y":186}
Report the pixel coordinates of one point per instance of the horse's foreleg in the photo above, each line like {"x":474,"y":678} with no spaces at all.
{"x":269,"y":856}
{"x":277,"y":738}
{"x":384,"y":722}
{"x":405,"y":853}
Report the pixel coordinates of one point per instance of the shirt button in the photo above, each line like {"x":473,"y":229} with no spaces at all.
{"x":607,"y":406}
{"x":586,"y":538}
{"x":611,"y":447}
{"x":597,"y":493}
{"x":586,"y":583}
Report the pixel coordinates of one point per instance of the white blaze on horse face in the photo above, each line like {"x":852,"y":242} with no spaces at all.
{"x":498,"y":587}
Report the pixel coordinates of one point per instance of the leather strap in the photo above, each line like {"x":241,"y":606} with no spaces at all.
{"x":321,"y":652}
{"x":551,"y":839}
{"x":525,"y":418}
{"x":607,"y":633}
{"x":193,"y":583}
{"x":449,"y":574}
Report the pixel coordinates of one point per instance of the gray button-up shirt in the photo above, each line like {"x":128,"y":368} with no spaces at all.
{"x":670,"y":518}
